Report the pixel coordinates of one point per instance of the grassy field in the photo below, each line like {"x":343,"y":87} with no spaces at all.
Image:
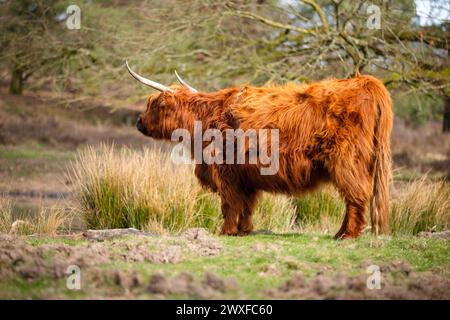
{"x":179,"y":254}
{"x":196,"y":264}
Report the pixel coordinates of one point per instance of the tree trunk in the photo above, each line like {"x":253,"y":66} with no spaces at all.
{"x":446,"y":123}
{"x":16,"y":83}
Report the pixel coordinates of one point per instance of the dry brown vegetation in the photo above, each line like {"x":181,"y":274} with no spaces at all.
{"x":48,"y":221}
{"x":159,"y":196}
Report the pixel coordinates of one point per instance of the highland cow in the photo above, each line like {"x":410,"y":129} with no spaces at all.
{"x":336,"y":130}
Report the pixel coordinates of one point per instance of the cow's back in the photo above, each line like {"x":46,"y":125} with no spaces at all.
{"x":316,"y":123}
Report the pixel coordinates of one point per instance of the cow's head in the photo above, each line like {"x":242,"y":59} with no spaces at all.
{"x":163,"y":109}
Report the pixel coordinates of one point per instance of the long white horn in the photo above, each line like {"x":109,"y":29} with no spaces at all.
{"x":147,"y":82}
{"x":184,"y":83}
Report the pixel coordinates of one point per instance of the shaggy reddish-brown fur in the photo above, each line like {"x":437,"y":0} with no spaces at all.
{"x":333,"y":130}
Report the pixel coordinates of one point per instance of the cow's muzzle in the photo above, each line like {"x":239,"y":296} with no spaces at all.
{"x":140,"y":126}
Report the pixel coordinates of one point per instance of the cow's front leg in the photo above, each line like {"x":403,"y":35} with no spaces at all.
{"x":245,"y":225}
{"x":230,"y":215}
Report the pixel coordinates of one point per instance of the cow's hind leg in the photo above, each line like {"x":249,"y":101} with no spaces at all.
{"x":245,"y":225}
{"x":354,"y":183}
{"x":354,"y":222}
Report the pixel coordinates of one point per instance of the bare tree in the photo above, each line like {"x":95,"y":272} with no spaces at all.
{"x":341,"y":38}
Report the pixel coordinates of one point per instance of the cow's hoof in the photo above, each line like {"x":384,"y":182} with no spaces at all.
{"x":229,"y":232}
{"x":244,"y":232}
{"x":346,"y":235}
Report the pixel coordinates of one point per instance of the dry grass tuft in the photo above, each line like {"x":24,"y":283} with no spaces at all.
{"x":125,"y":188}
{"x":420,"y":205}
{"x":48,"y":221}
{"x":321,"y":211}
{"x":6,"y":219}
{"x":118,"y":188}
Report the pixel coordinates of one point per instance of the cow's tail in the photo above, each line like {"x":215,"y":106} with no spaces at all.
{"x":379,"y":209}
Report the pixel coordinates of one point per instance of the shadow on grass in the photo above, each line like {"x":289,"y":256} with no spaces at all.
{"x":298,"y":235}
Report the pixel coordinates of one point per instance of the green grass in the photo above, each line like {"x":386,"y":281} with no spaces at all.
{"x":48,"y":240}
{"x":321,"y":210}
{"x":405,"y":174}
{"x":34,"y":151}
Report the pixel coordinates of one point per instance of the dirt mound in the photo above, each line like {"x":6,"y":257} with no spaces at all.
{"x":51,"y":260}
{"x":437,"y":235}
{"x":140,"y":252}
{"x":185,"y":284}
{"x":202,"y":242}
{"x":399,"y":266}
{"x":193,"y":242}
{"x":127,"y":280}
{"x":17,"y":256}
{"x":347,"y":287}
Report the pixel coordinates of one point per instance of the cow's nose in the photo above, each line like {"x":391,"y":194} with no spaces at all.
{"x":139,"y":125}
